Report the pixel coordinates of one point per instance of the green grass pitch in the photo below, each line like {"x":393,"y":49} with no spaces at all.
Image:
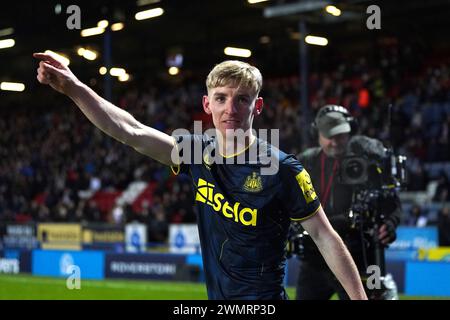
{"x":27,"y":287}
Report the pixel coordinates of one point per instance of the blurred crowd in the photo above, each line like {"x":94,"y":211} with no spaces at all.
{"x":53,"y":161}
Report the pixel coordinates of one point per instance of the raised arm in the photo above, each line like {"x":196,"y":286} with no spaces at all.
{"x":335,"y":254}
{"x":112,"y":120}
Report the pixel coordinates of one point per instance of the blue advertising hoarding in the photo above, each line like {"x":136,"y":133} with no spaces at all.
{"x":425,"y":278}
{"x":410,"y":238}
{"x":56,"y":263}
{"x":401,"y":255}
{"x":144,"y":266}
{"x":21,"y":255}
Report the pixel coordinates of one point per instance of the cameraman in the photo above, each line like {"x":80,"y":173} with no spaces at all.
{"x":333,"y":126}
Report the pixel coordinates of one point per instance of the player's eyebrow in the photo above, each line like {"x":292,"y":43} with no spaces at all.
{"x":243,"y":95}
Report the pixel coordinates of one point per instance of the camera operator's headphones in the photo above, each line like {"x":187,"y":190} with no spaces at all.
{"x":334,"y":108}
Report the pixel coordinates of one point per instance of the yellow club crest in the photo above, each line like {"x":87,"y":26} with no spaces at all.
{"x":253,"y":183}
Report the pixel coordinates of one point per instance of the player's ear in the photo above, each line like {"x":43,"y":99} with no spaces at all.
{"x":259,"y":104}
{"x":205,"y":102}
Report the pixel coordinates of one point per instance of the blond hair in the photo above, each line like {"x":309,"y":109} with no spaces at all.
{"x":235,"y":73}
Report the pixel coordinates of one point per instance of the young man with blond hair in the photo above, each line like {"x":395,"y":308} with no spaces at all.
{"x":243,"y":214}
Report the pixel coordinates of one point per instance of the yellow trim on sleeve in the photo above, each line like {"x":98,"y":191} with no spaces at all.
{"x":308,"y":216}
{"x":175,"y":169}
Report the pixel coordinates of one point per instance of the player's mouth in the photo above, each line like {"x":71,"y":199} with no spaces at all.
{"x":231,"y":121}
{"x":232,"y":124}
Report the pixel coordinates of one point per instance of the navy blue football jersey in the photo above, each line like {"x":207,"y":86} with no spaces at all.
{"x":244,"y":215}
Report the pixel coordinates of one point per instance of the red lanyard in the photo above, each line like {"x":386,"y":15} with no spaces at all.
{"x":325,"y":193}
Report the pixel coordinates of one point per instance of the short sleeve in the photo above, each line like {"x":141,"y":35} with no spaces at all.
{"x":189,"y":149}
{"x":298,"y":192}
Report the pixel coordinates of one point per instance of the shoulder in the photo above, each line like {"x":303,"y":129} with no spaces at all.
{"x":272,"y":151}
{"x":270,"y":155}
{"x":309,"y":154}
{"x":289,"y":163}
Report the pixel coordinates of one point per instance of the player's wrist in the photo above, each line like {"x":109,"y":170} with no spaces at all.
{"x":73,"y":87}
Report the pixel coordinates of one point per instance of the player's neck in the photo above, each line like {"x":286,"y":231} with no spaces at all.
{"x":232,"y":145}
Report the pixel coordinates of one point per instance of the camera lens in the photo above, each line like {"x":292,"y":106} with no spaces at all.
{"x":354,"y":169}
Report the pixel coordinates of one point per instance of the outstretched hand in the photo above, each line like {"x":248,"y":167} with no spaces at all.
{"x":54,"y":73}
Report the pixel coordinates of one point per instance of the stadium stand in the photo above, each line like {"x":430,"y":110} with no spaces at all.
{"x":39,"y":182}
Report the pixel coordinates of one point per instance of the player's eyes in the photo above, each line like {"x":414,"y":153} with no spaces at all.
{"x":243,"y":100}
{"x":220,"y":99}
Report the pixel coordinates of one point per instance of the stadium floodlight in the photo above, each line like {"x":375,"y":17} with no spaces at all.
{"x":173,"y":71}
{"x":6,"y":32}
{"x":333,"y":10}
{"x":63,"y":59}
{"x":318,"y":41}
{"x":12,"y":86}
{"x":87,"y":54}
{"x":117,"y":72}
{"x":102,"y":70}
{"x":294,"y":8}
{"x":147,"y":14}
{"x":117,"y":26}
{"x":92,"y":31}
{"x":256,"y":1}
{"x":237,"y":52}
{"x":7,"y":43}
{"x":103,"y":24}
{"x":90,"y":55}
{"x":124,"y":77}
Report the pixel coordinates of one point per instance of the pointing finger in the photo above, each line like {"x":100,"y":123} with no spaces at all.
{"x":49,"y":58}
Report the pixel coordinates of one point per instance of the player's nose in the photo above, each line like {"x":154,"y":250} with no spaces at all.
{"x":231,"y":107}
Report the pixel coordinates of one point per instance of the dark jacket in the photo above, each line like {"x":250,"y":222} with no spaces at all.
{"x":338,"y":202}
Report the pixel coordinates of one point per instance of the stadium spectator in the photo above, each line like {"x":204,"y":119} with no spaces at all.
{"x":228,"y":244}
{"x":92,"y":212}
{"x":157,"y":225}
{"x":417,"y":179}
{"x":442,"y":190}
{"x":117,"y":215}
{"x":35,"y":142}
{"x":417,"y":217}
